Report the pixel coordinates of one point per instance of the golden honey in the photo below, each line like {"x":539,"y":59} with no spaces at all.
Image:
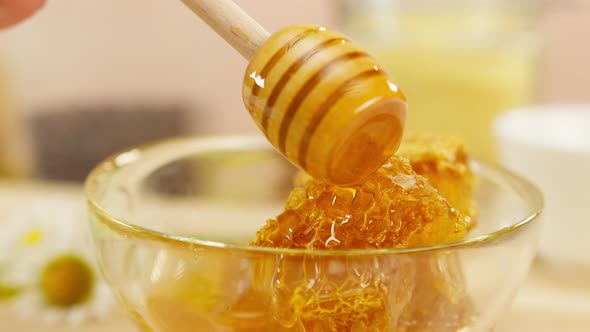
{"x":442,"y":159}
{"x":395,"y":208}
{"x":324,"y":103}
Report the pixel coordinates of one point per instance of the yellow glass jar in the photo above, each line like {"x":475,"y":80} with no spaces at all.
{"x":459,"y":62}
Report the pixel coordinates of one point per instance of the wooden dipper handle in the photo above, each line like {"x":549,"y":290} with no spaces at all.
{"x":232,"y":23}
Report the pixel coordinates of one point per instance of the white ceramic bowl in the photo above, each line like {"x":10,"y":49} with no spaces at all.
{"x":550,"y":144}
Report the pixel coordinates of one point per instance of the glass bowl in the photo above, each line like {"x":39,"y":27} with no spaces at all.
{"x":172,"y":221}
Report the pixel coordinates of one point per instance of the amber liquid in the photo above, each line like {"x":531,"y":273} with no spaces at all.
{"x":376,"y":293}
{"x":396,"y":208}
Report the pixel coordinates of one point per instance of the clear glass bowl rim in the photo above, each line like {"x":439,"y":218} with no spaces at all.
{"x":534,"y":199}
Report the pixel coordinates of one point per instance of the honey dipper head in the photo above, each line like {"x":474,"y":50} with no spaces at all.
{"x":324,"y":103}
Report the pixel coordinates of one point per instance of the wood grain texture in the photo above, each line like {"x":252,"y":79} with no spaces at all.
{"x":286,"y":89}
{"x":226,"y":18}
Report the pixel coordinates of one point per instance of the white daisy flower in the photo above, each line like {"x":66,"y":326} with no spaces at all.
{"x":51,"y":264}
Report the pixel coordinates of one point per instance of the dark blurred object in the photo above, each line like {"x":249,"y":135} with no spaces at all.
{"x":68,"y":143}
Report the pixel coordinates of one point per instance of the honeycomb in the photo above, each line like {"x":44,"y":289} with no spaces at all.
{"x":442,"y":159}
{"x":395,"y":208}
{"x":421,"y":198}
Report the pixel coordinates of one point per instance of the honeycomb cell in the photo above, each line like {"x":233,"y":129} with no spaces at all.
{"x":395,"y":208}
{"x":442,"y":159}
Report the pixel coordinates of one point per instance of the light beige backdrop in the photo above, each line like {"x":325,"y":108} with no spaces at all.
{"x":122,"y":51}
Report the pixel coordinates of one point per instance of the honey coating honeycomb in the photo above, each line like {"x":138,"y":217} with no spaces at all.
{"x":419,"y":292}
{"x":440,"y":302}
{"x":395,"y":208}
{"x":442,"y":159}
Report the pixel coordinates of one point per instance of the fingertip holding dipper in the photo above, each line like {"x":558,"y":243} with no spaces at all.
{"x":324,"y":103}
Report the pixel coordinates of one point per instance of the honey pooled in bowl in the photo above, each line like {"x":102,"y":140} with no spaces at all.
{"x":395,"y":208}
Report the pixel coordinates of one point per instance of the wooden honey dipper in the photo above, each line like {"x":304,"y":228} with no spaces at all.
{"x":319,"y":99}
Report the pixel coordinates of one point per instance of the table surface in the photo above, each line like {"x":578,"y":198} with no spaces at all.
{"x":545,"y":303}
{"x":542,"y":305}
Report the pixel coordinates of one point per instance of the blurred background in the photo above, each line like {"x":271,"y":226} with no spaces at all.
{"x":84,"y":79}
